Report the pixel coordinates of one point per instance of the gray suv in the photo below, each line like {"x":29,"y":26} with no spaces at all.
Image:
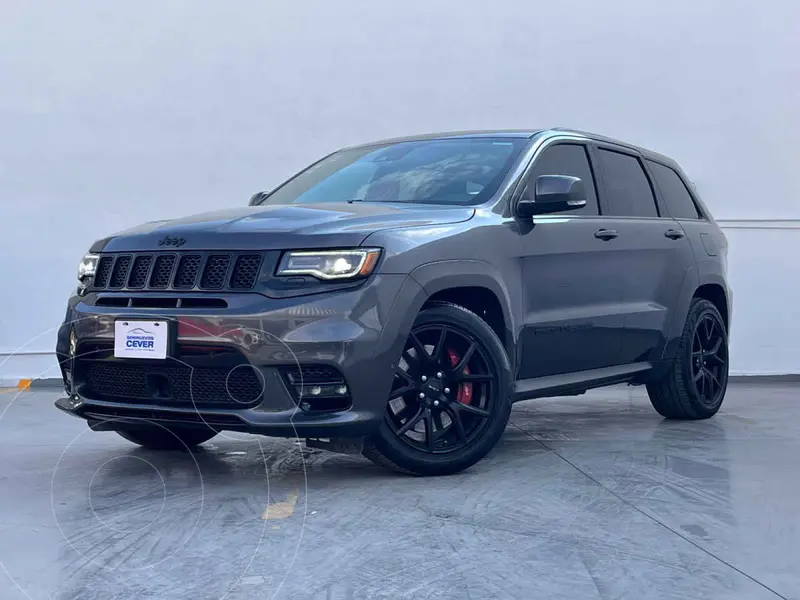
{"x":394,"y":299}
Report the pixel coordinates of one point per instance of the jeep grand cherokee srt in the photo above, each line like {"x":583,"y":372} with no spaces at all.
{"x":396,"y":298}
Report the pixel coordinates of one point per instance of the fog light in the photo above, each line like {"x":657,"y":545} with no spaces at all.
{"x":323,"y":391}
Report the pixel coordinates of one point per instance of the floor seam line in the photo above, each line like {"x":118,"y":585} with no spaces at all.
{"x":645,"y":514}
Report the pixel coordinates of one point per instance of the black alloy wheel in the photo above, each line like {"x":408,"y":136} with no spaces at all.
{"x":450,"y":399}
{"x":709,"y":359}
{"x":443,"y":392}
{"x":695,"y":384}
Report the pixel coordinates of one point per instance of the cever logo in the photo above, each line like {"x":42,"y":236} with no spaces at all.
{"x":140,"y":338}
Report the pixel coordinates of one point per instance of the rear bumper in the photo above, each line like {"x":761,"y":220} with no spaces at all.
{"x":359,"y":332}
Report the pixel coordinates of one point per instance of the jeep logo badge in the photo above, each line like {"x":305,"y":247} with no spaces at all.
{"x":172,"y":241}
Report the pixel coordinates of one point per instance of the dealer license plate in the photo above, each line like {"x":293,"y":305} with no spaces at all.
{"x":141,"y":339}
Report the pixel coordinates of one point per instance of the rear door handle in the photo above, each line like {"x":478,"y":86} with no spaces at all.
{"x":674,"y":234}
{"x":606,"y":234}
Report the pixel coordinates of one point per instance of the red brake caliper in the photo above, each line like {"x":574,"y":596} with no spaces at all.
{"x":464,"y":389}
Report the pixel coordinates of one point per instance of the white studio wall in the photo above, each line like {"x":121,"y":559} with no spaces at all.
{"x":114,"y":114}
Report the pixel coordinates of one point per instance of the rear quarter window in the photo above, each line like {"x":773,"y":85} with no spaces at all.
{"x":676,"y":195}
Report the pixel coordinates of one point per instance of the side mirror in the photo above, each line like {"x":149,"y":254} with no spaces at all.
{"x":552,"y":193}
{"x":258,"y":198}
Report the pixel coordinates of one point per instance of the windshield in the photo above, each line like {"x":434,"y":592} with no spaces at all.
{"x":458,"y":171}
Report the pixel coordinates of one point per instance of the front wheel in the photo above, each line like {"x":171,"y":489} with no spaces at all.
{"x":450,"y":400}
{"x":155,"y":437}
{"x":695,"y":385}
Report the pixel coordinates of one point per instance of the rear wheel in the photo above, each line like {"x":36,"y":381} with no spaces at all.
{"x":450,"y":401}
{"x":155,"y":437}
{"x":696,"y":383}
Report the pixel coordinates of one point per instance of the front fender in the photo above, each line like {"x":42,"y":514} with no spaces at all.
{"x":442,"y":275}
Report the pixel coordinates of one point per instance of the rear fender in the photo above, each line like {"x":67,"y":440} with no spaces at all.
{"x":706,"y":273}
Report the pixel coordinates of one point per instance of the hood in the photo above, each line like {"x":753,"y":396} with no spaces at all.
{"x":281,"y":227}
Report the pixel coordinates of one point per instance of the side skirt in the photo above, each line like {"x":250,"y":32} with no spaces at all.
{"x":571,"y":384}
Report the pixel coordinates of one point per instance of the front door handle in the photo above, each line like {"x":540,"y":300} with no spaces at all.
{"x":674,"y":234}
{"x":606,"y":234}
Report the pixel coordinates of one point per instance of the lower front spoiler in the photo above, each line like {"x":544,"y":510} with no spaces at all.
{"x":112,"y":416}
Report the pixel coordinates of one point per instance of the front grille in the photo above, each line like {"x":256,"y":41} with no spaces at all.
{"x":215,"y":271}
{"x":103,"y":271}
{"x":141,"y":267}
{"x":188,"y":266}
{"x":162,"y":271}
{"x":174,"y":384}
{"x":245,"y":272}
{"x":119,"y":274}
{"x":178,"y":271}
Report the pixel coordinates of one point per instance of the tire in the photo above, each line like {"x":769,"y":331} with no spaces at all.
{"x":682,"y":393}
{"x":155,"y":437}
{"x":473,"y":433}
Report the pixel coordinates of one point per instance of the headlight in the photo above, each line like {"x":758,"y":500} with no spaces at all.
{"x":330,"y":264}
{"x":88,"y":266}
{"x":73,"y":342}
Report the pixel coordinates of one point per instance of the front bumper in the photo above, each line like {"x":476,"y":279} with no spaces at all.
{"x":103,"y":415}
{"x":359,"y":332}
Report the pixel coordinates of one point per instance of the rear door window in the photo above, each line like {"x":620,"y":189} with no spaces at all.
{"x":676,"y":196}
{"x":628,"y":192}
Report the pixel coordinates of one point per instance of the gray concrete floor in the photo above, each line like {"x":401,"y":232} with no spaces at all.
{"x":587,"y":497}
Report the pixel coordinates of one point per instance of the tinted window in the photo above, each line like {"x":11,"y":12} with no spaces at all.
{"x":678,"y":199}
{"x":445,"y":171}
{"x":571,"y":160}
{"x":628,"y":191}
